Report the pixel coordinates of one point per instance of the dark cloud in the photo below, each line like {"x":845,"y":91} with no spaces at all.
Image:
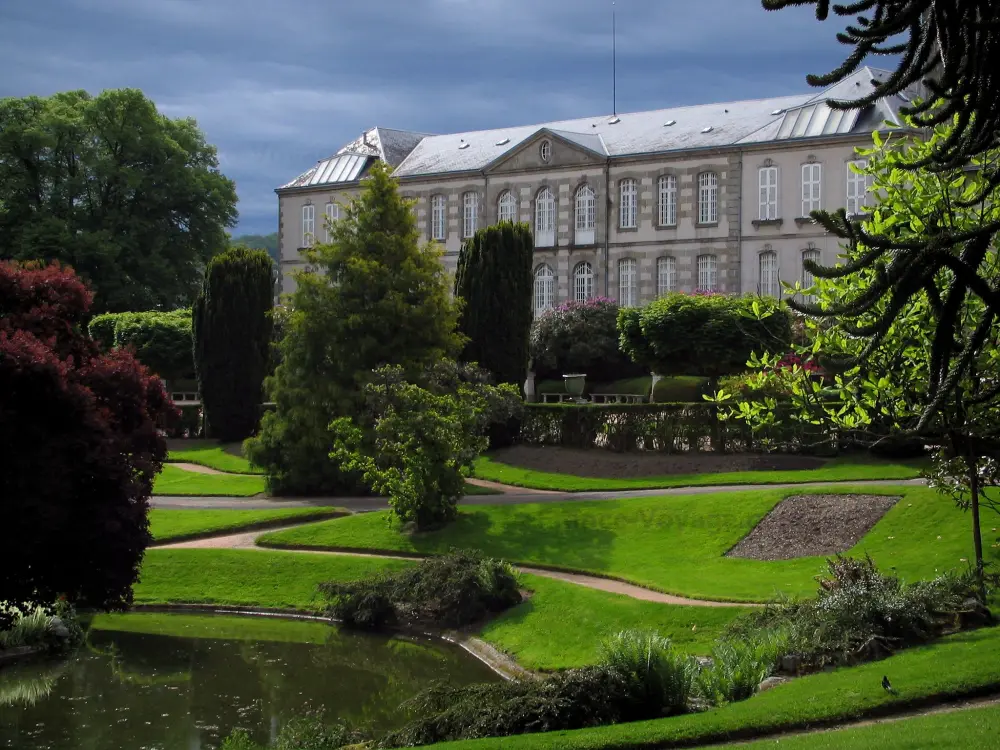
{"x":277,"y":85}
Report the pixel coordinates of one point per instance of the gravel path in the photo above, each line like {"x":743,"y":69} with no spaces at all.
{"x":248,"y":541}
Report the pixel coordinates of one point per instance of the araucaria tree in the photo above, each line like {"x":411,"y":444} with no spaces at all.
{"x":81,"y":448}
{"x":232,"y":340}
{"x":494,"y":281}
{"x":378,"y":297}
{"x":131,"y":199}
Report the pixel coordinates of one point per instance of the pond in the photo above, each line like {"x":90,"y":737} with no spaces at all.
{"x":174,"y":681}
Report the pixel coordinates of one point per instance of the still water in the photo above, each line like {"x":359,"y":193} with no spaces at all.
{"x":183,"y":682}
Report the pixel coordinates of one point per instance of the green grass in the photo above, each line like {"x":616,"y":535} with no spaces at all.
{"x":213,"y":455}
{"x":960,"y":665}
{"x":974,"y":727}
{"x":175,"y":481}
{"x":847,"y":469}
{"x":562,"y":624}
{"x":231,"y":627}
{"x":246,"y":577}
{"x":473,"y":489}
{"x":674,"y":544}
{"x":184,"y":524}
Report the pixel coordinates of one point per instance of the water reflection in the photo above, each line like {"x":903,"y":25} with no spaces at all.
{"x":188,"y":680}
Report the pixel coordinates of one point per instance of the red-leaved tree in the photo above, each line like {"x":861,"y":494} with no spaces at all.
{"x":78,"y":443}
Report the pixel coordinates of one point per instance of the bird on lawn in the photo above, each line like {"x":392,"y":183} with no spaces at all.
{"x":886,"y":685}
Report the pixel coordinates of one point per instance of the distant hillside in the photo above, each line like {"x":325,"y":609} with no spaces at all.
{"x":267,"y":242}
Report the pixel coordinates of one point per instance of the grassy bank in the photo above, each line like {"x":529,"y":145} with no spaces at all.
{"x":210,"y":453}
{"x":175,"y":481}
{"x":850,"y":469}
{"x":675,"y":544}
{"x":174,"y":525}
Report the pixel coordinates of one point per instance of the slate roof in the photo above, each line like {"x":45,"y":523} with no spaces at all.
{"x":675,"y":129}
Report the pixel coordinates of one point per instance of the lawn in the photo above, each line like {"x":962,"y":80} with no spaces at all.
{"x":974,"y":727}
{"x":225,"y":627}
{"x":213,"y":455}
{"x":847,"y":469}
{"x":173,"y":525}
{"x":674,"y":544}
{"x":175,"y":481}
{"x":961,"y":665}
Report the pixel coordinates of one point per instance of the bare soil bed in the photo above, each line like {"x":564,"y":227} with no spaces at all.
{"x":602,"y":464}
{"x":812,"y":525}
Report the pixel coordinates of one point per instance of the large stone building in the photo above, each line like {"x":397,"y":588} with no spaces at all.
{"x":714,"y":196}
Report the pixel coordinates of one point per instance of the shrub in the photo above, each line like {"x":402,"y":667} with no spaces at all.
{"x":580,"y":337}
{"x":862,"y":614}
{"x":450,"y":591}
{"x":56,"y":627}
{"x":739,"y":665}
{"x":232,"y":340}
{"x":710,"y":335}
{"x":160,"y":340}
{"x":648,"y":659}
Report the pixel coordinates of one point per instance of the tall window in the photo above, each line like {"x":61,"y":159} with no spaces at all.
{"x":667,"y":202}
{"x":857,"y":187}
{"x":767,"y":263}
{"x":470,"y":214}
{"x":708,"y":198}
{"x":586,"y":215}
{"x":332,"y":215}
{"x":627,"y":210}
{"x":767,"y":182}
{"x":308,"y":225}
{"x":627,"y":286}
{"x":545,"y":288}
{"x":438,"y":219}
{"x":812,"y":254}
{"x":666,"y":275}
{"x":583,"y":282}
{"x":506,"y":207}
{"x":812,"y":178}
{"x":545,"y":219}
{"x":708,"y":273}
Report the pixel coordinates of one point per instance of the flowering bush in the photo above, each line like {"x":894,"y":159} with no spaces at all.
{"x":580,"y":337}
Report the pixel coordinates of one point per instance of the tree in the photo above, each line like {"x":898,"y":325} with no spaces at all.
{"x":81,"y":446}
{"x":953,"y":50}
{"x":427,"y":436}
{"x":232,"y":340}
{"x":495,"y":282}
{"x":160,"y":340}
{"x":128,"y":197}
{"x":896,"y":388}
{"x":378,"y":298}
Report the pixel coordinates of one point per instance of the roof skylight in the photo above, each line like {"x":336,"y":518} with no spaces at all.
{"x":778,"y":112}
{"x":709,"y":129}
{"x":614,"y":120}
{"x":669,"y":123}
{"x":503,"y":141}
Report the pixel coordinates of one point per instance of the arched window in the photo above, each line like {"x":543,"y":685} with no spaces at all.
{"x":667,"y":192}
{"x":666,"y":275}
{"x":332,"y":215}
{"x":586,"y":215}
{"x":812,"y":254}
{"x":767,"y":263}
{"x":545,"y":288}
{"x":308,"y":225}
{"x":627,"y":210}
{"x":506,"y":207}
{"x":438,"y":225}
{"x":627,"y":283}
{"x":708,"y":198}
{"x":583,"y":282}
{"x":708,"y":273}
{"x":470,"y":214}
{"x":545,"y":219}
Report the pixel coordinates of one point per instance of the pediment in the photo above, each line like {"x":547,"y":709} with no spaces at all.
{"x":566,"y":149}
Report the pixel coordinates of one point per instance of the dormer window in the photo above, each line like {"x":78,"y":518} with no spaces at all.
{"x":545,"y":151}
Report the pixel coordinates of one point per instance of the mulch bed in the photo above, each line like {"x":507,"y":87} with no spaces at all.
{"x":812,"y":525}
{"x":602,"y":464}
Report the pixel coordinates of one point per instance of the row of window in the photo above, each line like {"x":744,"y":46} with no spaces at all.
{"x":770,"y":279}
{"x":858,"y":185}
{"x":628,"y":280}
{"x":332,"y":213}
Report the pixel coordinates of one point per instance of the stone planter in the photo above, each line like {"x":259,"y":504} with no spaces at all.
{"x":575,"y":384}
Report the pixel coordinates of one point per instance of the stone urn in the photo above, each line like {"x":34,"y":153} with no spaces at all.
{"x":652,"y":388}
{"x":529,"y":388}
{"x":574,"y":384}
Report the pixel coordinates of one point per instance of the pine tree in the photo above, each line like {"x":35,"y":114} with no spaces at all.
{"x":379,"y":298}
{"x":494,"y":280}
{"x":232,"y":337}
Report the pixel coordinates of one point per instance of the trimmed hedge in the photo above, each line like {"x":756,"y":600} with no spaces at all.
{"x":161,"y":340}
{"x":664,"y":428}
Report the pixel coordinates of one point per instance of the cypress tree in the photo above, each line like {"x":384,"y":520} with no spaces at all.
{"x":232,"y":334}
{"x":495,"y":281}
